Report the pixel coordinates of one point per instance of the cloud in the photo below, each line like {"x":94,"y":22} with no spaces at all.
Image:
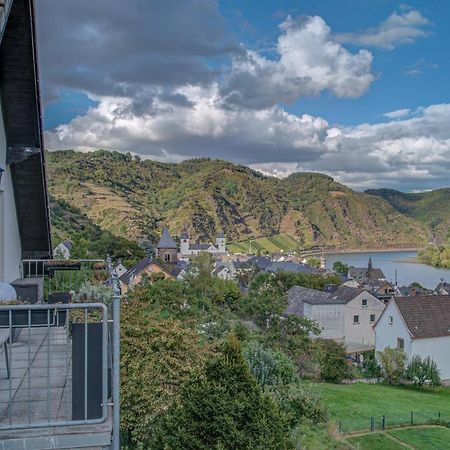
{"x":398,"y":29}
{"x":309,"y":62}
{"x":397,"y":113}
{"x":409,"y":152}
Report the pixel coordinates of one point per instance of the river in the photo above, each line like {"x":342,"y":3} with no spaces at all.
{"x":405,"y":262}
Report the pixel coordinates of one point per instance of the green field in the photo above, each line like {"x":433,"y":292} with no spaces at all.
{"x":272,"y":244}
{"x":435,"y":438}
{"x":353,"y":405}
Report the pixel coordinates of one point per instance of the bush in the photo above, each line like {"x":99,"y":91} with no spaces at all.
{"x":423,"y":372}
{"x":299,"y":403}
{"x":223,"y":407}
{"x":392,"y":362}
{"x":267,"y":366}
{"x":333,"y":365}
{"x":370,"y":366}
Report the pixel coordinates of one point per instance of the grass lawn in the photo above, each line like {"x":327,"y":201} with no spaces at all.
{"x":374,"y":441}
{"x":424,"y":438}
{"x":270,"y":244}
{"x":354,"y":404}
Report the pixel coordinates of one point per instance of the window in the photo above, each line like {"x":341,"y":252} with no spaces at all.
{"x":364,"y":301}
{"x":355,"y":319}
{"x":391,"y":320}
{"x":372,"y":317}
{"x":167,"y":257}
{"x":400,"y":343}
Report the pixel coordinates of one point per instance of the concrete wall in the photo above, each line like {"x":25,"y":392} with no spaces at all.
{"x":362,"y":332}
{"x":10,"y":247}
{"x":436,"y":348}
{"x":329,"y":317}
{"x":386,"y":334}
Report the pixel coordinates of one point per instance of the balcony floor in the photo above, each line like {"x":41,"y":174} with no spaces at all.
{"x":39,"y":391}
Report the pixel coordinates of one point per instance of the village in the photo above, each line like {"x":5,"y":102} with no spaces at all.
{"x":365,"y":312}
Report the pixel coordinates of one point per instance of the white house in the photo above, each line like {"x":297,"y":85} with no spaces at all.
{"x":62,"y":250}
{"x":346,"y":314}
{"x":188,"y":248}
{"x":120,"y":269}
{"x":419,"y":325}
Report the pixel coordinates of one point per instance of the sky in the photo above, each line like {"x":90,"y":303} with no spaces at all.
{"x":357,"y":89}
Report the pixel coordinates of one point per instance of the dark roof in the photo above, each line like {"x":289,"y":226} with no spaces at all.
{"x":289,"y":266}
{"x":298,"y":295}
{"x":67,"y":244}
{"x":19,"y":92}
{"x":261,"y":262}
{"x":426,"y":316}
{"x":361,"y":273}
{"x":346,"y":293}
{"x":138,"y":268}
{"x":199,"y":246}
{"x":173,"y":269}
{"x":166,"y":240}
{"x":442,"y":285}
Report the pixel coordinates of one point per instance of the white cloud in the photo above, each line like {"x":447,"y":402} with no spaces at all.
{"x":309,"y":62}
{"x":397,"y":29}
{"x":397,"y":113}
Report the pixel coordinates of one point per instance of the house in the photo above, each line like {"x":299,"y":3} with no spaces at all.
{"x":419,"y":325}
{"x":120,"y":269}
{"x":191,"y":249}
{"x":24,"y":213}
{"x":382,"y":289}
{"x":62,"y":250}
{"x":413,"y":289}
{"x":146,"y":267}
{"x":365,"y":274}
{"x":443,"y":288}
{"x":289,"y":266}
{"x":345,"y":314}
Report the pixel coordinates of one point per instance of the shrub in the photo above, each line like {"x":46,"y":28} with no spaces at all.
{"x":267,"y":366}
{"x":333,"y":365}
{"x":370,"y":366}
{"x":392,"y":362}
{"x":93,"y":293}
{"x":299,"y":403}
{"x":423,"y":372}
{"x":223,"y":407}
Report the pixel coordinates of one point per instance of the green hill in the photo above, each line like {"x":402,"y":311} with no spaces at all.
{"x":133,"y":198}
{"x":430,"y":208}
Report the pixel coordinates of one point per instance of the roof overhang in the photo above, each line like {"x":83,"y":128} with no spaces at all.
{"x":19,"y":88}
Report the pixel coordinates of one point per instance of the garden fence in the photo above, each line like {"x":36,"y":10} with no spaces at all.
{"x":385,"y":421}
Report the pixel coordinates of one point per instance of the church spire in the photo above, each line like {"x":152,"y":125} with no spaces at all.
{"x":369,"y":265}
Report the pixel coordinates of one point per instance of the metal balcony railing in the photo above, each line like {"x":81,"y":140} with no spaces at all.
{"x":54,"y":365}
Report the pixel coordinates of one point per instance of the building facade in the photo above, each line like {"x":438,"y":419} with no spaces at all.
{"x":188,"y":248}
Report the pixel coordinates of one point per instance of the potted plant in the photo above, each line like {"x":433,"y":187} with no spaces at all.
{"x":88,"y":326}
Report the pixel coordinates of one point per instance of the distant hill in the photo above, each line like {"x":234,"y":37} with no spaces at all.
{"x":432,"y":208}
{"x":133,"y":198}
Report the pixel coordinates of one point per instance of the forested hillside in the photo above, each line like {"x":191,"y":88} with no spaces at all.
{"x":133,"y":198}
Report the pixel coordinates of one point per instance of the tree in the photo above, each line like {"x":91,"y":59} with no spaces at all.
{"x":157,"y":357}
{"x":392,"y":361}
{"x":423,"y":372}
{"x":313,"y":262}
{"x":340,"y":268}
{"x":223,"y":407}
{"x":333,"y":365}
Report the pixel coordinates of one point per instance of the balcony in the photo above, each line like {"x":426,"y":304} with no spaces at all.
{"x":59,"y":368}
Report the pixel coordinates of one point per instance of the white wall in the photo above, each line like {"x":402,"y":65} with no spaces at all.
{"x":438,"y":349}
{"x":362,"y":333}
{"x":10,"y":247}
{"x":386,"y":334}
{"x":330,"y":318}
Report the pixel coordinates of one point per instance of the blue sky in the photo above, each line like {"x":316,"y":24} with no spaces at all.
{"x":281,"y":86}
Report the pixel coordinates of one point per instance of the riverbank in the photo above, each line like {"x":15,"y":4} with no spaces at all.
{"x":373,"y":250}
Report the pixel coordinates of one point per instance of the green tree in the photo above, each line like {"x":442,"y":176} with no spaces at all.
{"x":340,"y":268}
{"x":333,"y":365}
{"x":392,"y":361}
{"x":157,"y":357}
{"x":423,"y":372}
{"x":223,"y":408}
{"x":313,"y":262}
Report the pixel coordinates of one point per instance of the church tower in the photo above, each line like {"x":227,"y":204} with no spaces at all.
{"x":221,"y":242}
{"x":184,"y":243}
{"x":167,"y":249}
